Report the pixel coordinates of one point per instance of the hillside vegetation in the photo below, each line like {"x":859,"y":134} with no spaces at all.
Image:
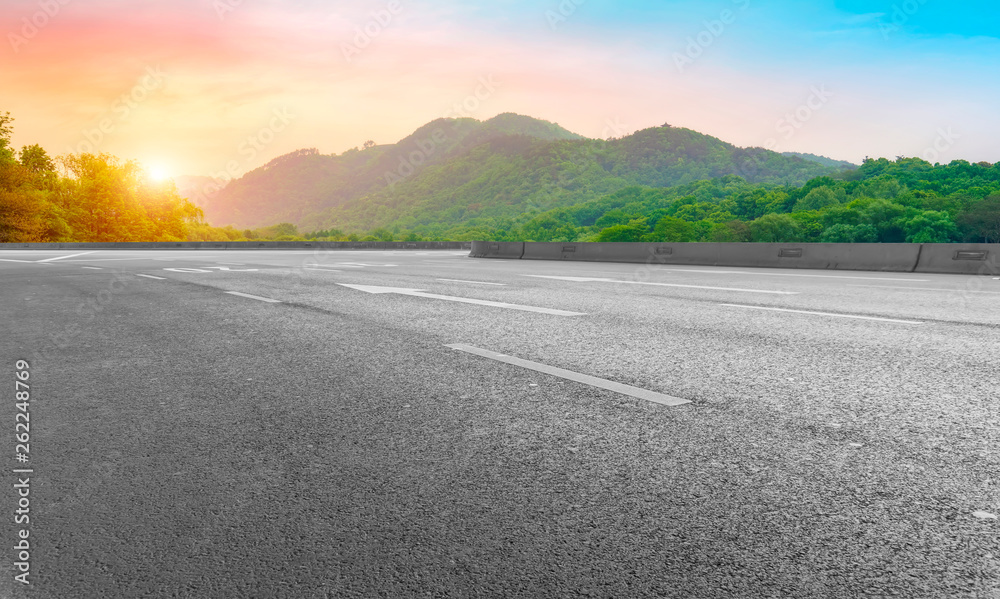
{"x":461,"y":171}
{"x":509,"y":178}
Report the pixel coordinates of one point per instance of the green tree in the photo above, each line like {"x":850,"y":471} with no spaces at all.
{"x":981,"y":222}
{"x":817,"y":199}
{"x":844,"y":233}
{"x":774,"y":228}
{"x":671,"y":229}
{"x":633,"y":231}
{"x":930,"y":227}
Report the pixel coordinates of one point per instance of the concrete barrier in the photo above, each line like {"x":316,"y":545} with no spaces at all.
{"x":888,"y":257}
{"x":966,"y":258}
{"x":982,"y":259}
{"x":497,"y":249}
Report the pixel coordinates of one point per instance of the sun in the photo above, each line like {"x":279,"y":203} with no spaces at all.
{"x":158,"y":172}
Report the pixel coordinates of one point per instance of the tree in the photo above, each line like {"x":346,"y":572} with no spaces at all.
{"x":671,"y":229}
{"x":930,"y":227}
{"x":774,"y":228}
{"x":816,"y":199}
{"x":633,"y":231}
{"x":982,"y":220}
{"x":6,"y":153}
{"x":36,"y":160}
{"x":844,"y":233}
{"x":369,"y":144}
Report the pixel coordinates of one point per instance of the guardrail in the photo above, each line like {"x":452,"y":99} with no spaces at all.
{"x":977,"y":258}
{"x":248,"y":245}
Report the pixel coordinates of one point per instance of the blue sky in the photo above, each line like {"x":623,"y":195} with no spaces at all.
{"x":846,"y":79}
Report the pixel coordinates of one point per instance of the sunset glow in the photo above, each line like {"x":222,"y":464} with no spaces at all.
{"x":223,"y":83}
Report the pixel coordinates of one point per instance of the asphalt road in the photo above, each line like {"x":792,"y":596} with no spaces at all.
{"x":837,"y":436}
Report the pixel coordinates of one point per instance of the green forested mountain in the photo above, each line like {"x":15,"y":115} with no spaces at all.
{"x":513,"y":179}
{"x":907,"y":200}
{"x":454,"y":171}
{"x":839,"y":164}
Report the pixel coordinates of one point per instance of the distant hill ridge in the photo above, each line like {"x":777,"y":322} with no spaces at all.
{"x":450,"y":170}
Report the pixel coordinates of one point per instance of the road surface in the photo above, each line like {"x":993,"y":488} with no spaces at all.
{"x":423,"y":424}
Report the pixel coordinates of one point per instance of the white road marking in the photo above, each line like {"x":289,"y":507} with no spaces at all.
{"x":826,"y":314}
{"x":320,"y":269}
{"x":93,"y":267}
{"x":151,"y":277}
{"x":599,"y":280}
{"x":54,"y":258}
{"x":360,"y":264}
{"x":256,"y":297}
{"x":112,"y":259}
{"x":12,"y":260}
{"x":924,"y":289}
{"x":205,"y":269}
{"x":476,"y":282}
{"x":464,"y":300}
{"x":586,"y":379}
{"x":785,"y":274}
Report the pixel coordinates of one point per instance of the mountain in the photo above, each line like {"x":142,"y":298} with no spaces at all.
{"x":831,"y":162}
{"x":452,"y":170}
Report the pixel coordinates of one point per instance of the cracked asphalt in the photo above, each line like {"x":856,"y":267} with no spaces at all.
{"x":187,"y":442}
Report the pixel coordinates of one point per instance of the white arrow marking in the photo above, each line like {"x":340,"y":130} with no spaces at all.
{"x":598,"y":280}
{"x":464,"y":300}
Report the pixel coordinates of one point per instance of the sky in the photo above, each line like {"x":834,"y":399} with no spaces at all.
{"x":220,"y":87}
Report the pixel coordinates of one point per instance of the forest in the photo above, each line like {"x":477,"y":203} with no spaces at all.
{"x":525,"y":180}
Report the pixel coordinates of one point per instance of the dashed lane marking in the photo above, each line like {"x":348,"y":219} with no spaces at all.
{"x":476,"y":282}
{"x":787,"y":274}
{"x":601,"y":280}
{"x":54,"y":258}
{"x":925,"y":289}
{"x":151,"y":277}
{"x":255,"y":297}
{"x":93,"y":267}
{"x":586,"y":379}
{"x":896,"y":320}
